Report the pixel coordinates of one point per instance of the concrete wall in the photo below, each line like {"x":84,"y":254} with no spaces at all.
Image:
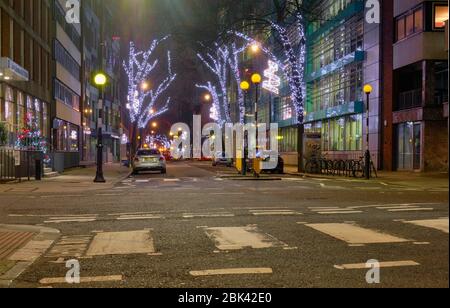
{"x":422,"y":46}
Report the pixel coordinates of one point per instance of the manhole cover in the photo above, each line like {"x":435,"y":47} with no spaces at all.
{"x":10,"y":241}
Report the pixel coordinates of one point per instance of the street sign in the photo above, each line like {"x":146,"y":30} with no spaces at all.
{"x":17,"y":158}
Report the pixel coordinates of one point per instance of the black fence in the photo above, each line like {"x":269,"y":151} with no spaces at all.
{"x":11,"y":169}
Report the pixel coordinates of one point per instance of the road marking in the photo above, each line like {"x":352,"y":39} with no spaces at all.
{"x":274,"y":213}
{"x":397,"y":207}
{"x":139,"y":217}
{"x":353,"y":234}
{"x":411,"y":210}
{"x":121,"y":243}
{"x":61,"y":280}
{"x":67,"y":219}
{"x":232,"y":271}
{"x":236,"y":238}
{"x":108,"y":195}
{"x":382,"y":265}
{"x":438,"y":224}
{"x":339,"y":212}
{"x":70,"y":246}
{"x":226,"y":194}
{"x":142,"y":181}
{"x":207,"y":215}
{"x":171,"y":180}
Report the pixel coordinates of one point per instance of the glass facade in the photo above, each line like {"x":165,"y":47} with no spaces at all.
{"x":336,"y":83}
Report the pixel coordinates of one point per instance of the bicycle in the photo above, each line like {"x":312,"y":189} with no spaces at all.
{"x":359,"y":168}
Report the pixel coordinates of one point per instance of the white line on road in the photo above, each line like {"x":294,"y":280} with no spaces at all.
{"x":139,"y":217}
{"x":339,"y":212}
{"x":353,"y":234}
{"x":61,"y":280}
{"x":121,"y":243}
{"x":438,"y":224}
{"x":236,"y":238}
{"x":382,"y":265}
{"x":412,"y":210}
{"x":275,"y":213}
{"x":232,"y":271}
{"x":207,"y":215}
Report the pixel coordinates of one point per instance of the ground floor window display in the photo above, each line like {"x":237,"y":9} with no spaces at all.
{"x":18,"y":110}
{"x":65,"y":136}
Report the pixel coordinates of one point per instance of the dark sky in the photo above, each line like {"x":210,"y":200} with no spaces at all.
{"x":188,"y":22}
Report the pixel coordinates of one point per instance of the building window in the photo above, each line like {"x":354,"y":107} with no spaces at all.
{"x":440,"y":16}
{"x":342,"y":134}
{"x":66,"y":136}
{"x":66,"y":60}
{"x":409,"y":24}
{"x":67,"y":96}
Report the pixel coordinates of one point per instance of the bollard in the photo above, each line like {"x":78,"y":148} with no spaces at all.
{"x":38,"y":175}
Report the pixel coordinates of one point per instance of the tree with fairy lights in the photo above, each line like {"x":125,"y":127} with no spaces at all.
{"x":145,"y":96}
{"x":283,"y":26}
{"x":31,"y":138}
{"x":221,"y":60}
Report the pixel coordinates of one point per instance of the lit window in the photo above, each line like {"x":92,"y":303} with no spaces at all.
{"x":440,"y":16}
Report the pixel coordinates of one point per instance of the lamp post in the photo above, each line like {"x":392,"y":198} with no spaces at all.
{"x":100,"y":81}
{"x":256,"y":80}
{"x":368,"y":159}
{"x":245,"y":86}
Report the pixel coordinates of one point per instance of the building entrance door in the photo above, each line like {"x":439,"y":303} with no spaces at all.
{"x":409,"y":146}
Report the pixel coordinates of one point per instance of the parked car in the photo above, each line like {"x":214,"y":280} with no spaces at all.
{"x":220,"y":159}
{"x":278,"y":170}
{"x":149,"y":160}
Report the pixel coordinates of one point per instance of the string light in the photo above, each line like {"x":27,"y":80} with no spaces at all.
{"x":142,"y":100}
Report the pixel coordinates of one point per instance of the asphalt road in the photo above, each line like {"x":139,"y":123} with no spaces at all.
{"x":191,"y":228}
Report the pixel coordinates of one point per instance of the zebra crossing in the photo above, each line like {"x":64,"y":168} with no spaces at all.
{"x":234,"y":238}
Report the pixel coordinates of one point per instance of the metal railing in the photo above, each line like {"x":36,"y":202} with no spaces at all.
{"x":12,"y":169}
{"x":410,"y":99}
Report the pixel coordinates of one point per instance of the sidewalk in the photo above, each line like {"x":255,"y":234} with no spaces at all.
{"x":71,"y":181}
{"x":20,"y":247}
{"x":412,"y":179}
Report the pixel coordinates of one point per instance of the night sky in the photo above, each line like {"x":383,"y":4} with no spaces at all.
{"x":188,"y":22}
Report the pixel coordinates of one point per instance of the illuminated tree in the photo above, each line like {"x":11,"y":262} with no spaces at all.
{"x":144,"y":99}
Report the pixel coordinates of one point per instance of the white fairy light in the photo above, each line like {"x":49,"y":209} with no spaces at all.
{"x":142,"y":99}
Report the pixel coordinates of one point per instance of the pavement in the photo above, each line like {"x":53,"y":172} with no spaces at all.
{"x":74,"y":180}
{"x":196,"y":228}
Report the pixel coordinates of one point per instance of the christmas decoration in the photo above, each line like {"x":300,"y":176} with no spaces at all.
{"x":142,"y":98}
{"x":292,"y":64}
{"x":31,"y":138}
{"x":220,"y":61}
{"x":273,"y":82}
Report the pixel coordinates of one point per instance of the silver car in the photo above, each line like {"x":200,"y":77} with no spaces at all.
{"x":149,"y":160}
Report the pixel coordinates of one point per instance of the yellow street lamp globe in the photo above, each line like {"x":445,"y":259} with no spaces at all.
{"x":207,"y":97}
{"x":256,"y":78}
{"x":368,"y":89}
{"x":245,"y":85}
{"x":100,"y":79}
{"x":255,"y":47}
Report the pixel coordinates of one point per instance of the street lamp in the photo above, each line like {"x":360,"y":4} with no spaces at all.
{"x":245,"y":86}
{"x":255,"y":47}
{"x":368,"y":159}
{"x":100,"y":81}
{"x":256,"y":80}
{"x":207,"y":97}
{"x":145,"y":86}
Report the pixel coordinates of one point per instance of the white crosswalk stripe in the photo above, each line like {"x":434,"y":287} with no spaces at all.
{"x":70,"y":246}
{"x":440,"y":224}
{"x":355,"y":235}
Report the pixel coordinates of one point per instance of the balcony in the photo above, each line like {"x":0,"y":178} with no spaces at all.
{"x":410,"y":99}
